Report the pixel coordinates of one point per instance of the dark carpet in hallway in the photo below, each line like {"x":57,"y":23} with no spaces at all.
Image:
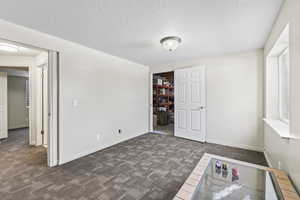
{"x":150,"y":166}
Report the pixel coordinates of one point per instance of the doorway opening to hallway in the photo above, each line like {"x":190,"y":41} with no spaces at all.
{"x":25,"y":103}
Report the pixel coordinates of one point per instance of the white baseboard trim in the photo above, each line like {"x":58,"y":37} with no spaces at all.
{"x":79,"y":155}
{"x":267,"y":158}
{"x":93,"y":150}
{"x":241,"y":146}
{"x":161,"y":132}
{"x":18,"y":127}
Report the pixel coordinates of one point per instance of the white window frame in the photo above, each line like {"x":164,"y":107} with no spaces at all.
{"x":273,"y":113}
{"x":280,"y":115}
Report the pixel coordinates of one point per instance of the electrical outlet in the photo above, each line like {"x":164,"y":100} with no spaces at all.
{"x":279,"y":165}
{"x":120,"y":131}
{"x":98,"y":137}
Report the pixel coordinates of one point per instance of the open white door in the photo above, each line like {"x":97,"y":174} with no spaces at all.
{"x":190,"y":103}
{"x":3,"y":105}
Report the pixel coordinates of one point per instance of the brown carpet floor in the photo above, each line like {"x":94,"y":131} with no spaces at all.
{"x":149,"y":167}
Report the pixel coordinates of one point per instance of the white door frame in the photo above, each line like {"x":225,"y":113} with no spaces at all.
{"x":32,"y":107}
{"x":3,"y":107}
{"x":151,"y":103}
{"x":53,"y":108}
{"x":42,"y":105}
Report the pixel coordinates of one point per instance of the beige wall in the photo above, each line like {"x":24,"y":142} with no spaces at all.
{"x":18,"y":114}
{"x":234,"y":97}
{"x":281,"y":150}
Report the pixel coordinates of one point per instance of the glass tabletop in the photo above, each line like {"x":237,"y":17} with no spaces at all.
{"x":225,"y":180}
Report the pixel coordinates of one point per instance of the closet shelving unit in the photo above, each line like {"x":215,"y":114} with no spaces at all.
{"x":163,"y":100}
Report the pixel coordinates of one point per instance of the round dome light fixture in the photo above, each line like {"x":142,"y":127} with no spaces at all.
{"x":170,"y":43}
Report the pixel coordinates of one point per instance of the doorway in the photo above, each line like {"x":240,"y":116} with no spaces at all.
{"x":14,"y":99}
{"x":179,"y":103}
{"x":29,"y":91}
{"x":17,"y":142}
{"x":163,"y":103}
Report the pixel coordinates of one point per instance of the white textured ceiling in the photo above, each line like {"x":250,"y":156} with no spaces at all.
{"x":132,"y":29}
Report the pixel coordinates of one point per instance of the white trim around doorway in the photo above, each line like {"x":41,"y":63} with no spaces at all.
{"x":53,"y":108}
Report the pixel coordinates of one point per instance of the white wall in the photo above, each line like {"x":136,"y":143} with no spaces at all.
{"x":18,"y":115}
{"x":280,"y":150}
{"x":112,"y":93}
{"x":234,"y":98}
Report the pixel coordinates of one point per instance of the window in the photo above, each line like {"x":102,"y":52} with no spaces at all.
{"x":283,"y":80}
{"x":277,"y":87}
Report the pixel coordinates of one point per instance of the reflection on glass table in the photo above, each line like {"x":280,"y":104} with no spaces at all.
{"x":224,"y":180}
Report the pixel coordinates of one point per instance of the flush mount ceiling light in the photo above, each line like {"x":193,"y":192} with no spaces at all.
{"x":170,"y":43}
{"x":8,"y":47}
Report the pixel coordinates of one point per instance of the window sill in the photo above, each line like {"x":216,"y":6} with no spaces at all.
{"x":280,"y":128}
